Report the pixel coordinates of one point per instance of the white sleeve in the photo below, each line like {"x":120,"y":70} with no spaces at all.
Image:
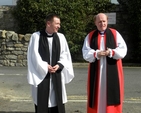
{"x":37,"y":68}
{"x":121,"y":50}
{"x":87,"y":52}
{"x":65,"y":60}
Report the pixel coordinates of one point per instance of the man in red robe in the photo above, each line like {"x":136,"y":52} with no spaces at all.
{"x":104,"y":48}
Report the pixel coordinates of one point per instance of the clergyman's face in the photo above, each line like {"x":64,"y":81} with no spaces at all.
{"x":101,"y":22}
{"x":54,"y":25}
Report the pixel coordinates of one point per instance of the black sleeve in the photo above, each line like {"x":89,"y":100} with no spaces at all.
{"x":60,"y":67}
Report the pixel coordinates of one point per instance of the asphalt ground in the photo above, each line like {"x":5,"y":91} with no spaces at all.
{"x":15,"y":92}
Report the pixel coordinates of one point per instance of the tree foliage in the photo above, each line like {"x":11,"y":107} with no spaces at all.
{"x":76,"y":17}
{"x":133,"y":22}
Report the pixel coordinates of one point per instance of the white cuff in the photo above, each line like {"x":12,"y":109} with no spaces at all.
{"x":110,"y":56}
{"x":96,"y":54}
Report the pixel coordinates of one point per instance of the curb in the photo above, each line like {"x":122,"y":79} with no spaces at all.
{"x":124,"y":64}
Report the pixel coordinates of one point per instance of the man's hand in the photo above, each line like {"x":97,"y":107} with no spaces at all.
{"x":107,"y":52}
{"x":53,"y":69}
{"x":103,"y":53}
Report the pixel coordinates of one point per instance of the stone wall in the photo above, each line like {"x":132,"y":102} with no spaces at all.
{"x":13,"y":51}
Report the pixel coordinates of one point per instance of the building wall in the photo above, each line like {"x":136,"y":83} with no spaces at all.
{"x":7,"y":21}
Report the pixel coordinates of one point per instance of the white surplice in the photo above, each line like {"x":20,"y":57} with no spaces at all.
{"x":38,"y":69}
{"x":88,"y":55}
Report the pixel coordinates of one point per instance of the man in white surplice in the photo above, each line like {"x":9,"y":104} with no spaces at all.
{"x":41,"y":67}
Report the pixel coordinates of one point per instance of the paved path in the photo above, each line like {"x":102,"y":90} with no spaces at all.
{"x":15,"y":91}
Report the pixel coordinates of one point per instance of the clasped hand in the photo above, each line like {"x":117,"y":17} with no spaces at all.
{"x":53,"y":69}
{"x":103,"y":53}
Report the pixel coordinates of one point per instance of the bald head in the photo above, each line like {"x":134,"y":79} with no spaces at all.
{"x":98,"y":15}
{"x":101,"y":21}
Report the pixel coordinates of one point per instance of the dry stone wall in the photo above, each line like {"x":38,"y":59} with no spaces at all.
{"x":13,"y":51}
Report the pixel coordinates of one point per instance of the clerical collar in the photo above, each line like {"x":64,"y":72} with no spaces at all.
{"x":101,"y":32}
{"x":49,"y":35}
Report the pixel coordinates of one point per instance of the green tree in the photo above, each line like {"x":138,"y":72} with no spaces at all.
{"x":132,"y":10}
{"x":76,"y":18}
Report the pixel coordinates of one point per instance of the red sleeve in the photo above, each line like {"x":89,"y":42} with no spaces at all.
{"x":113,"y":53}
{"x":94,"y":54}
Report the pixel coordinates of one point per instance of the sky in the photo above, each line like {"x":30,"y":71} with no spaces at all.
{"x":13,"y":2}
{"x":8,"y":2}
